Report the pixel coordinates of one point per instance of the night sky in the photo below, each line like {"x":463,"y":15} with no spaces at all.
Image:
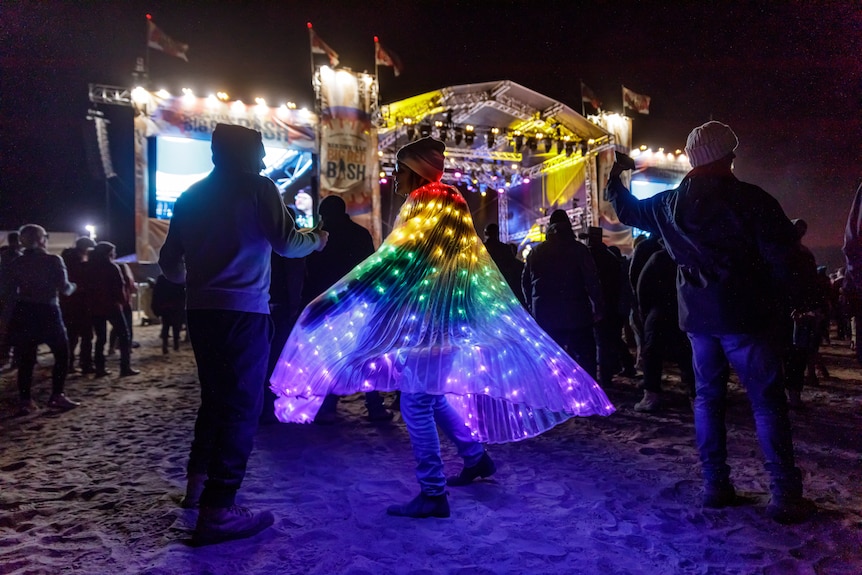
{"x":786,"y":76}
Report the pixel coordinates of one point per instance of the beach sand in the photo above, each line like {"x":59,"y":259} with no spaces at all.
{"x":96,"y":490}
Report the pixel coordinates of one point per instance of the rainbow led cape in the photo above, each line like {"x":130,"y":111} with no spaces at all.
{"x":430,"y":312}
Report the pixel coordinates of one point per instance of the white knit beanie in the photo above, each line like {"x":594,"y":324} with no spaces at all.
{"x":710,"y":142}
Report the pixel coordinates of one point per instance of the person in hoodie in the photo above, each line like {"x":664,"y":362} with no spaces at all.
{"x":219,"y":242}
{"x":738,"y":273}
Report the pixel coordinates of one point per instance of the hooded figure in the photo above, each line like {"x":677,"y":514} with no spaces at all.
{"x":222,"y":232}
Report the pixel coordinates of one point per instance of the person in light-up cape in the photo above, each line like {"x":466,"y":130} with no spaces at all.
{"x":431,"y":315}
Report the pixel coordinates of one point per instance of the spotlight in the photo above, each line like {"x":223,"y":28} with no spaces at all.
{"x":549,"y":142}
{"x":459,"y":136}
{"x":492,"y":136}
{"x":570,"y":147}
{"x":411,"y":129}
{"x":518,"y":140}
{"x":424,"y":130}
{"x":559,"y":146}
{"x":469,"y":135}
{"x":532,"y":144}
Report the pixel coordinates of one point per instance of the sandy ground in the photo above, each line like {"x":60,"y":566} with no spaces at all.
{"x":96,"y":490}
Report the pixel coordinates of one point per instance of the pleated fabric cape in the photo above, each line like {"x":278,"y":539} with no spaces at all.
{"x":430,"y":312}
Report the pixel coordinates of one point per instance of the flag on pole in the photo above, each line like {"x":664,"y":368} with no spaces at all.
{"x":590,"y":97}
{"x":383,"y":57}
{"x":637,"y":102}
{"x":318,"y":46}
{"x":158,"y":40}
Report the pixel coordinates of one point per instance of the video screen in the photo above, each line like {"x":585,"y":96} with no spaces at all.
{"x":180,"y":162}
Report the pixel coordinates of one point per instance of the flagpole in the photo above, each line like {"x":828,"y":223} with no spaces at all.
{"x":377,"y":72}
{"x":583,"y":109}
{"x":623,"y":93}
{"x":147,"y":44}
{"x":311,"y":51}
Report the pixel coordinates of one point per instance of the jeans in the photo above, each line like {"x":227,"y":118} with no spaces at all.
{"x":231,"y":350}
{"x":757,"y":361}
{"x":422,"y":413}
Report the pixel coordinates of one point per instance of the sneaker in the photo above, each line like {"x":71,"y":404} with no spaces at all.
{"x":194,"y":490}
{"x":790,"y":510}
{"x":422,"y":506}
{"x":484,"y":468}
{"x":219,"y":524}
{"x":128,"y":371}
{"x":718,"y":495}
{"x":26,"y":407}
{"x":60,"y":401}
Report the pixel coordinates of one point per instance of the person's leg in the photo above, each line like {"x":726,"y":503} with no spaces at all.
{"x":25,"y":354}
{"x":100,"y":327}
{"x":58,"y":343}
{"x":456,"y":430}
{"x":653,"y":362}
{"x":165,"y":332}
{"x":85,"y":357}
{"x":710,"y":368}
{"x":582,"y":347}
{"x":231,"y":349}
{"x":124,"y":342}
{"x":608,"y":361}
{"x":417,"y":409}
{"x":231,"y":353}
{"x":757,"y":363}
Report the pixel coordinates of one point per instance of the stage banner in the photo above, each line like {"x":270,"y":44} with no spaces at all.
{"x":196,"y":118}
{"x":348,"y":144}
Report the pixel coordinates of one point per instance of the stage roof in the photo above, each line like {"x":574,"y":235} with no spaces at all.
{"x":516,"y":112}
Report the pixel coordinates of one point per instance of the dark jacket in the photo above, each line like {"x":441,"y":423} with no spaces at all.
{"x":560,"y":282}
{"x":348,"y":245}
{"x":735,"y":248}
{"x":656,"y":289}
{"x":168,"y":296}
{"x":509,"y":265}
{"x":105,"y":287}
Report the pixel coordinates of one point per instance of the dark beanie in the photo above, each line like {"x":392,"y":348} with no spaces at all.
{"x":237,"y":147}
{"x":560,"y":217}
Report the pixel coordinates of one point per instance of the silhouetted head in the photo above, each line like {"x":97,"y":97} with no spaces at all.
{"x":237,"y":148}
{"x":103,"y":251}
{"x":492,"y":232}
{"x":332,"y":208}
{"x":84,"y":244}
{"x":13,"y":239}
{"x":560,"y":217}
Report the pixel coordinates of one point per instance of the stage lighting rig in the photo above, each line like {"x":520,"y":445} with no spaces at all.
{"x":424,"y":130}
{"x":459,"y":135}
{"x":411,"y":129}
{"x":518,"y":140}
{"x":491,"y":138}
{"x":469,"y":135}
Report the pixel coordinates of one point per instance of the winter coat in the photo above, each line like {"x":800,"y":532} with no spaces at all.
{"x":737,"y":252}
